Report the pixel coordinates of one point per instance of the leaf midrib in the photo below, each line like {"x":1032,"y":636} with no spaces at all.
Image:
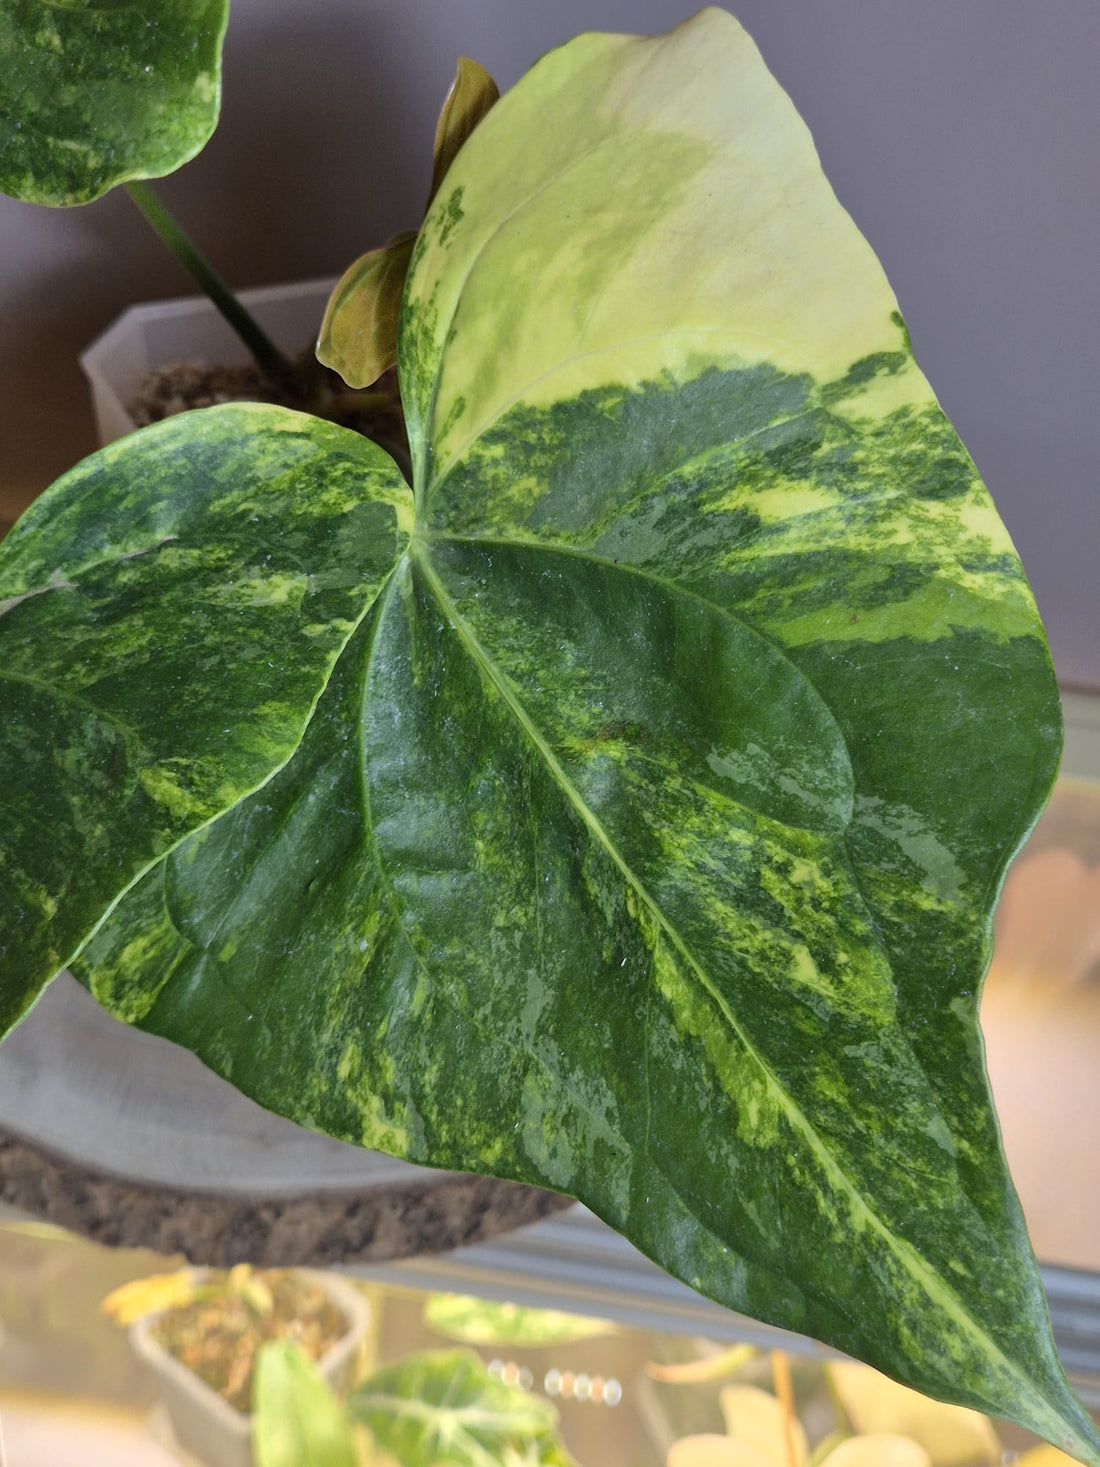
{"x":927,"y":1280}
{"x":364,"y":782}
{"x":667,"y":584}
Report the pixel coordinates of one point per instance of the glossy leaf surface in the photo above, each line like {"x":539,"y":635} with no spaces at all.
{"x":169,"y":613}
{"x":644,"y":839}
{"x":95,"y":92}
{"x":442,"y":1408}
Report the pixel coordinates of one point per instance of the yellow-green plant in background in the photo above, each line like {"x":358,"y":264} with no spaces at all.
{"x":436,"y":1408}
{"x":133,"y":1301}
{"x":876,"y":1423}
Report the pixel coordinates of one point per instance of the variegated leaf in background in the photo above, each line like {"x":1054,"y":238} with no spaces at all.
{"x":485,"y":1322}
{"x":442,"y":1408}
{"x":644,"y":839}
{"x":95,"y":92}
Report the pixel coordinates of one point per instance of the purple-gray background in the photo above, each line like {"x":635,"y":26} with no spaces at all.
{"x":963,"y":135}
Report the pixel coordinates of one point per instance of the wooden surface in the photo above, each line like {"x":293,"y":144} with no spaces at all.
{"x":133,"y":1142}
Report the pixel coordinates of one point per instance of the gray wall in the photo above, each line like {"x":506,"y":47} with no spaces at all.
{"x":963,"y":135}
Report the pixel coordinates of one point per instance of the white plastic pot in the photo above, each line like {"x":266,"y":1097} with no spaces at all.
{"x":166,"y":333}
{"x":206,"y":1425}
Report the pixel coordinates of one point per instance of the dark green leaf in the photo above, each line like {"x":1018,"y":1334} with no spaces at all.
{"x":94,"y":92}
{"x":169,"y":613}
{"x":443,"y":1409}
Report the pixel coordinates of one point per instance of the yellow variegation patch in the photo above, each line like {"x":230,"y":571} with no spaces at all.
{"x":560,"y":284}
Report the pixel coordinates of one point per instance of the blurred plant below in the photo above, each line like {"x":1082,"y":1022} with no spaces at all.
{"x":526,"y":1401}
{"x":858,"y":1418}
{"x":474,"y":1321}
{"x":216,"y":1322}
{"x":434,"y":1408}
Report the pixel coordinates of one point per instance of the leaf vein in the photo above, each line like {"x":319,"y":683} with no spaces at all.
{"x":907,"y":1256}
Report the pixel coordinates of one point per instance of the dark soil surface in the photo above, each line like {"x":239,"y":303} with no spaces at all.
{"x":219,"y":1338}
{"x":374,"y":412}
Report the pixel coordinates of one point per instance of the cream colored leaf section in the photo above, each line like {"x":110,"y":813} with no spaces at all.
{"x":880,"y":1449}
{"x":951,"y":1435}
{"x":673,"y":216}
{"x":711,"y":1450}
{"x":757,"y":1418}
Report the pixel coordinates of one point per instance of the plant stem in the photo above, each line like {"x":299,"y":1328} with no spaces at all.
{"x":268,"y":356}
{"x":781,"y":1379}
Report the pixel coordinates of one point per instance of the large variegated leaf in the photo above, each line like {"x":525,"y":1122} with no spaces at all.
{"x":94,"y":92}
{"x":169,"y":613}
{"x":644,"y":839}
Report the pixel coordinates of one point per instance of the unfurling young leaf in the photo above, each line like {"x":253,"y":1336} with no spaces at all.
{"x":623,"y":813}
{"x":473,"y":92}
{"x":359,"y":332}
{"x":94,"y":94}
{"x":358,"y":335}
